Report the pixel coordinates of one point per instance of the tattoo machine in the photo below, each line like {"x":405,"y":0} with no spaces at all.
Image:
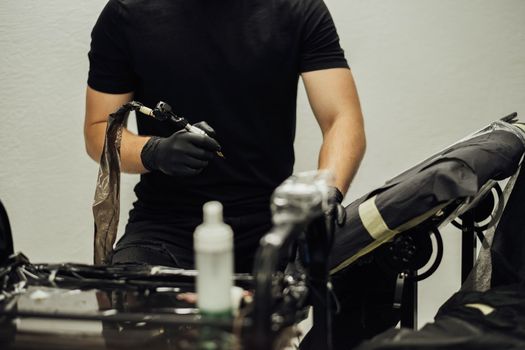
{"x":163,"y":111}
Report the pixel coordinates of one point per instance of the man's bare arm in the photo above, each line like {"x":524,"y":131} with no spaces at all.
{"x":335,"y":103}
{"x":98,"y":107}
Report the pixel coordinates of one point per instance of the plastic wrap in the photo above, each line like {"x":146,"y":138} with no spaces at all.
{"x":106,"y":206}
{"x":451,"y":177}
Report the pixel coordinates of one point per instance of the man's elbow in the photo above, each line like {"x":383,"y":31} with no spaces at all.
{"x":359,"y":146}
{"x":92,"y":145}
{"x":92,"y":152}
{"x":354,"y":129}
{"x":362,"y":142}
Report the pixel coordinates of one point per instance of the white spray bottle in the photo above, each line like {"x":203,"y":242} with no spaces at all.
{"x":213,"y":244}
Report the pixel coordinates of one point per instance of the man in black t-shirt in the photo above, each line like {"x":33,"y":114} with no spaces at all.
{"x":234,"y":64}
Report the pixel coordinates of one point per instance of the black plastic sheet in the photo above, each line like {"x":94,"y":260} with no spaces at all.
{"x":494,"y":319}
{"x":449,"y":177}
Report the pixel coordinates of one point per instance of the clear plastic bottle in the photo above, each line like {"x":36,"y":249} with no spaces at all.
{"x":213,"y":244}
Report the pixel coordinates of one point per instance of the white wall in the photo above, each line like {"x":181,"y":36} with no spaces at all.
{"x":428,"y":72}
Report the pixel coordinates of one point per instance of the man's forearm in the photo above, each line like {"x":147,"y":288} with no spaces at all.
{"x":130,"y":148}
{"x":335,"y":103}
{"x":98,"y":107}
{"x":342,"y":150}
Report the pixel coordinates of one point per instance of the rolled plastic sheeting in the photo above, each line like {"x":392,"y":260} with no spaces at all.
{"x":449,"y":177}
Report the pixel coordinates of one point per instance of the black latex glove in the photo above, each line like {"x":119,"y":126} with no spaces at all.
{"x":336,"y":209}
{"x":182,"y":154}
{"x":207,"y":129}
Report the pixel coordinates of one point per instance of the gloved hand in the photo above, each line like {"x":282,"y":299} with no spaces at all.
{"x":181,"y":154}
{"x":336,"y":211}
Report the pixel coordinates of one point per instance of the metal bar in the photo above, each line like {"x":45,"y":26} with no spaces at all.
{"x":108,"y":316}
{"x":468,"y":244}
{"x":409,"y":302}
{"x":318,"y":245}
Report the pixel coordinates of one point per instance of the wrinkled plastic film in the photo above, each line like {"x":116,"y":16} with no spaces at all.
{"x":516,"y":128}
{"x":301,"y":195}
{"x":106,"y":206}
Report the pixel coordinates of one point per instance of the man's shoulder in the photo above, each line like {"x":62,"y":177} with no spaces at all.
{"x":140,"y":5}
{"x":291,"y":4}
{"x":301,"y":8}
{"x":301,"y":3}
{"x":135,"y":3}
{"x":138,"y":10}
{"x":132,"y":2}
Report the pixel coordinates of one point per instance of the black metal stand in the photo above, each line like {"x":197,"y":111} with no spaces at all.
{"x":468,"y":244}
{"x":318,"y":245}
{"x":409,"y":301}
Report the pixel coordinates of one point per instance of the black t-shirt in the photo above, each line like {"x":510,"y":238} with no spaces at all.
{"x":232,"y":63}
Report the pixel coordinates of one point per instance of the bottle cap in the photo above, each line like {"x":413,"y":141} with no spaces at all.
{"x":213,"y":235}
{"x":212,"y":212}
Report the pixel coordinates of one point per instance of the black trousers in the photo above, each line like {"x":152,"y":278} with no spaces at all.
{"x":168,"y":241}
